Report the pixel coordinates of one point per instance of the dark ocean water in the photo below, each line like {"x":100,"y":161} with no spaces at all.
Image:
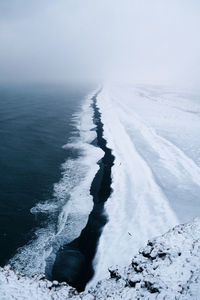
{"x":35,"y":122}
{"x":74,"y":261}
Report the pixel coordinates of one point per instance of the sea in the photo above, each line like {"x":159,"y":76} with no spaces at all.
{"x":36,"y":120}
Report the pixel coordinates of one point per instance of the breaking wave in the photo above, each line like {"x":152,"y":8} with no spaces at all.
{"x":67,"y":213}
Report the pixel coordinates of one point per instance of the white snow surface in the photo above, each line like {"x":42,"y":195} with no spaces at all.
{"x":167,"y":268}
{"x":154,"y":135}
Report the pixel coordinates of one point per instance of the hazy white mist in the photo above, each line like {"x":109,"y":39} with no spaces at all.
{"x":132,"y":40}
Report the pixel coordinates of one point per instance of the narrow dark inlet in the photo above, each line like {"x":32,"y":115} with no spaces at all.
{"x":73,"y":262}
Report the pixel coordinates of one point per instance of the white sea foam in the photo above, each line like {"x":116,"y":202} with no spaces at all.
{"x":72,"y":203}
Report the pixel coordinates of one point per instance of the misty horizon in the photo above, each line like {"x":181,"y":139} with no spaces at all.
{"x":79,"y":41}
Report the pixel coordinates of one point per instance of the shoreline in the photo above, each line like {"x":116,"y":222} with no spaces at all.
{"x":73,"y":202}
{"x":74,"y":261}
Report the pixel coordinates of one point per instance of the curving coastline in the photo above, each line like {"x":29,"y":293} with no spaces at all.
{"x":74,"y":261}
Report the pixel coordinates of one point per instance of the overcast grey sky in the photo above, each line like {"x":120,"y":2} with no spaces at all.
{"x":138,"y":40}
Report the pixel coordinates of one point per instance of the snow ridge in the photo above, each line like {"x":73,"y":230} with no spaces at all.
{"x":167,"y":268}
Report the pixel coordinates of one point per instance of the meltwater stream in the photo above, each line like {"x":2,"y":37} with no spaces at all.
{"x":73,"y":262}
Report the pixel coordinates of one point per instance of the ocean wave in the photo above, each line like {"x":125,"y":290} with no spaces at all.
{"x":72,"y":203}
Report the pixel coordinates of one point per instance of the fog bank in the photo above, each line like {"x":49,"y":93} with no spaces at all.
{"x":74,"y":40}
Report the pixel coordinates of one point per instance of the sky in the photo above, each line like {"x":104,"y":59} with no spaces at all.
{"x":153,"y":41}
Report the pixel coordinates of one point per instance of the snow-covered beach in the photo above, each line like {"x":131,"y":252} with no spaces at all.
{"x":99,"y":150}
{"x":153,"y":132}
{"x":153,"y":135}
